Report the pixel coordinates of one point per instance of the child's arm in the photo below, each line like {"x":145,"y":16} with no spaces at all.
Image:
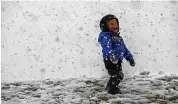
{"x":106,"y":44}
{"x":129,"y":56}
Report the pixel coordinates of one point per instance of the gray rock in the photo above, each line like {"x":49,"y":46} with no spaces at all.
{"x":145,"y":73}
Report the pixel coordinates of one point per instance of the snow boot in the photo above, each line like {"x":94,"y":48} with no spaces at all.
{"x":113,"y":90}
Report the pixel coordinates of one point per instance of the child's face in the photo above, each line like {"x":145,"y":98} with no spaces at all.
{"x":113,"y":25}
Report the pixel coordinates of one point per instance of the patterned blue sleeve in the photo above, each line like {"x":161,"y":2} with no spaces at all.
{"x":106,"y":44}
{"x":128,"y":55}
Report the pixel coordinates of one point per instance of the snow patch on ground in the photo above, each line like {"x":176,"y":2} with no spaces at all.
{"x":137,"y":89}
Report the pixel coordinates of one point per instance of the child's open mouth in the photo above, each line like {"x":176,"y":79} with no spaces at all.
{"x":115,"y":29}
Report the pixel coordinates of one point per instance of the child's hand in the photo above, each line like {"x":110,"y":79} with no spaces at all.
{"x":113,"y":59}
{"x":132,"y":62}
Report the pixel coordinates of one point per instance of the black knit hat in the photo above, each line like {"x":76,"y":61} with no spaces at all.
{"x":104,"y":20}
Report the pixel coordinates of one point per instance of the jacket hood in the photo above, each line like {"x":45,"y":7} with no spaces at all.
{"x":102,"y":34}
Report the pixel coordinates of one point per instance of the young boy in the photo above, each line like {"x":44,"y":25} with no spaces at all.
{"x":114,"y":50}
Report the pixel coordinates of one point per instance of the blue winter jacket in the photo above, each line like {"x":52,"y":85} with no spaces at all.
{"x":113,"y":45}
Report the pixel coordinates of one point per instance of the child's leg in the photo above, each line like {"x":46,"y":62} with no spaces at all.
{"x":116,"y":75}
{"x":114,"y":70}
{"x":108,"y":66}
{"x":117,"y":68}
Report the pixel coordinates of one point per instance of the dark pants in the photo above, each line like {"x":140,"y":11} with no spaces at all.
{"x":116,"y":74}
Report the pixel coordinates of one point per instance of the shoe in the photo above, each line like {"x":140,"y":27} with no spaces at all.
{"x":112,"y":90}
{"x":118,"y":91}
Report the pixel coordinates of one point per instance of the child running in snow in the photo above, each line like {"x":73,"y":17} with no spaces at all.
{"x":114,"y":50}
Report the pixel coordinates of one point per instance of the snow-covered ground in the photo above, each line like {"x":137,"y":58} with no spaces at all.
{"x":145,"y":88}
